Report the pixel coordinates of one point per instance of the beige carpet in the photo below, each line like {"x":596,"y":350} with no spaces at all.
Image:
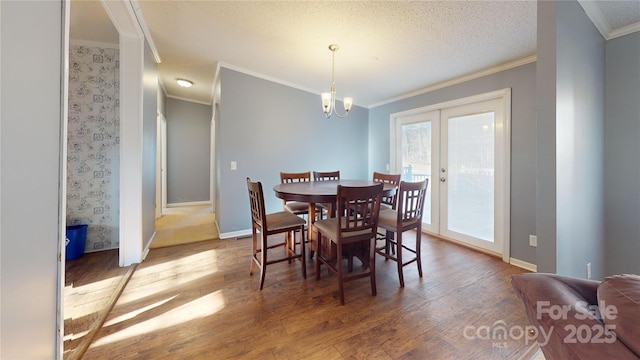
{"x":183,"y":225}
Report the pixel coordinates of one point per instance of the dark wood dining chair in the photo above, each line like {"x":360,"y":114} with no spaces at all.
{"x":297,"y":207}
{"x":326,"y":175}
{"x":270,"y":224}
{"x":407,"y":216}
{"x":354,"y":229}
{"x":387,"y":202}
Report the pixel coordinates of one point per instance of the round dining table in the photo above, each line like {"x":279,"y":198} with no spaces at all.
{"x":321,"y":192}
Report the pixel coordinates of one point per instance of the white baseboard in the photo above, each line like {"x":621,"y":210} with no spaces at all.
{"x":192,"y":203}
{"x":145,"y":251}
{"x":235,"y":234}
{"x":523,"y":264}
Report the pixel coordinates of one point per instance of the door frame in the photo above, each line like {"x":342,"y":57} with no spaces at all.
{"x":504,"y":181}
{"x":131,"y":41}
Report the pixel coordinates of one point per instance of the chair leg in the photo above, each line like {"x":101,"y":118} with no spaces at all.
{"x":387,"y":244}
{"x":313,"y":234}
{"x":372,"y":266}
{"x":350,"y":260}
{"x":340,"y":273}
{"x":399,"y":257}
{"x":303,"y":256}
{"x":289,"y":244}
{"x":319,"y":247}
{"x":253,"y":256}
{"x":418,"y":255}
{"x":263,"y":256}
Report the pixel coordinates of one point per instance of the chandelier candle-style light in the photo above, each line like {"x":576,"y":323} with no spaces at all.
{"x":329,"y":98}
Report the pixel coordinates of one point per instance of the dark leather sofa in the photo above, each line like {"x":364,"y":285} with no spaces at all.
{"x":575,"y":318}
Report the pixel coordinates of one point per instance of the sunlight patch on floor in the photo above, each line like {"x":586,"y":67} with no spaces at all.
{"x":68,"y":337}
{"x":199,"y":308}
{"x":71,"y":292}
{"x":133,"y":314}
{"x":172,"y":275}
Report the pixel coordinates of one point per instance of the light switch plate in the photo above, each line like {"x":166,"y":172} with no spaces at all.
{"x":234,"y":165}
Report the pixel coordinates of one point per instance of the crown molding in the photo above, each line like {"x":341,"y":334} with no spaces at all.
{"x":266,"y":77}
{"x":145,"y":30}
{"x":189,"y":100}
{"x":461,"y":79}
{"x":625,"y":30}
{"x":596,"y":16}
{"x":594,"y":13}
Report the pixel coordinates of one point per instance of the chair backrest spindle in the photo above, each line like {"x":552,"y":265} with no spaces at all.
{"x":326,"y":175}
{"x":393,"y":179}
{"x":286,"y":177}
{"x":411,"y":199}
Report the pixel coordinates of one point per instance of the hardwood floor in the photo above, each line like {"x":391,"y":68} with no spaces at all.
{"x":94,"y":281}
{"x":92,"y":284}
{"x":197,"y":301}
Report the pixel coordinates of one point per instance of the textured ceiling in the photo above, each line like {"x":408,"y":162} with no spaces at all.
{"x":387,"y":48}
{"x":620,"y":13}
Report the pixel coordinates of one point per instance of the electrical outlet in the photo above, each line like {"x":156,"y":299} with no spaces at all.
{"x":588,"y":270}
{"x":533,"y":240}
{"x":387,"y":167}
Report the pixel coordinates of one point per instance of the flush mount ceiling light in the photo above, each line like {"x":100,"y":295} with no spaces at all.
{"x":184,"y":83}
{"x":329,"y":98}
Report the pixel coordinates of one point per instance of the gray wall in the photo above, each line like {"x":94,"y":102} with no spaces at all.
{"x":571,"y":117}
{"x":622,"y":147}
{"x":579,"y":142}
{"x":546,"y":138}
{"x":521,"y":80}
{"x":31,"y":229}
{"x":149,"y":143}
{"x":268,"y":128}
{"x":188,"y":151}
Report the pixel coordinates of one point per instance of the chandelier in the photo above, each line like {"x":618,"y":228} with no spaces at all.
{"x":329,"y":98}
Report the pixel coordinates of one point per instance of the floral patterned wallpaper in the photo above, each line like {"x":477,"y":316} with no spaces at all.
{"x":93,"y":158}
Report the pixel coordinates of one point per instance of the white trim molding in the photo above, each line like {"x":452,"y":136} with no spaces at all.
{"x":266,"y":77}
{"x":235,"y":234}
{"x":189,"y":100}
{"x":192,"y":203}
{"x":594,"y":13}
{"x":131,"y":94}
{"x":523,"y":264}
{"x":145,"y":30}
{"x":461,"y":79}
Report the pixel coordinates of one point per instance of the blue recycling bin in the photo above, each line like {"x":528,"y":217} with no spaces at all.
{"x":76,"y":238}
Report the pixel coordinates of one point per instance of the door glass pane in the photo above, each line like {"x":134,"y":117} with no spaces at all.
{"x":416,"y":159}
{"x":470,"y":175}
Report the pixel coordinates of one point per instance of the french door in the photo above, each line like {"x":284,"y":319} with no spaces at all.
{"x":462,"y":147}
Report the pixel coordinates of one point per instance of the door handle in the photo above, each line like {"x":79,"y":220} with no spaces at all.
{"x":442,"y":179}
